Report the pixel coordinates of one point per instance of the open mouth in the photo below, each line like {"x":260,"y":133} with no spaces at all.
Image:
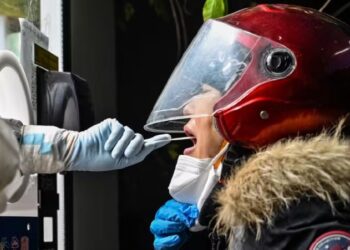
{"x":188,"y":132}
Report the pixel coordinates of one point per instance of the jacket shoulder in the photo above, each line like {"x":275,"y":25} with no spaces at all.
{"x":310,"y":223}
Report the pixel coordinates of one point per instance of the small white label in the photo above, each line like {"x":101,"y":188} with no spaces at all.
{"x":48,"y":229}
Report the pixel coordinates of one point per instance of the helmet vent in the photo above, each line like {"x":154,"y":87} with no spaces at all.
{"x":279,"y":62}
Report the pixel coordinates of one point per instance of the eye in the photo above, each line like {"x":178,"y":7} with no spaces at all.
{"x":279,"y":62}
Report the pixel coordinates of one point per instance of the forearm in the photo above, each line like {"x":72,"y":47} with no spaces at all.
{"x":103,"y":147}
{"x":46,"y":149}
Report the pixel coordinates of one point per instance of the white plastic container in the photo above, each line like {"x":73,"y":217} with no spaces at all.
{"x":15,"y":103}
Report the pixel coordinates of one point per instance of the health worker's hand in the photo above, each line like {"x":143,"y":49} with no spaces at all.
{"x":110,"y":145}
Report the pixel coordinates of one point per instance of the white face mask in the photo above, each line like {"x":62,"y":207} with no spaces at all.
{"x":189,"y":178}
{"x":194,"y":178}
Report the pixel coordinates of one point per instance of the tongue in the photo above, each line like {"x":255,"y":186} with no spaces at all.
{"x":188,"y":151}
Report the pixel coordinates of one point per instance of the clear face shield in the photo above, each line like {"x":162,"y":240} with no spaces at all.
{"x":219,"y":56}
{"x":210,"y":66}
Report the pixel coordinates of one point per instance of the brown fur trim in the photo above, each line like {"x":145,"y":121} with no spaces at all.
{"x":283,"y":173}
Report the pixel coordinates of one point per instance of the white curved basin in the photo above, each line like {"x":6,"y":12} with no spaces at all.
{"x":15,"y":101}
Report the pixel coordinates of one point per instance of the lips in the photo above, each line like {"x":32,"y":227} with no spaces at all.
{"x":188,"y":132}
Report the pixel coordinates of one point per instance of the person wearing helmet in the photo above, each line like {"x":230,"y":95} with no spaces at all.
{"x":283,"y":74}
{"x":29,"y":149}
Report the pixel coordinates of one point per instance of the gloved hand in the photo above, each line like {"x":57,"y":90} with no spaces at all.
{"x":105,"y":146}
{"x":171,"y":224}
{"x":110,"y":145}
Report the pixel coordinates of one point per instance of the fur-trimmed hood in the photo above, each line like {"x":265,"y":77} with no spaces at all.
{"x":285,"y":172}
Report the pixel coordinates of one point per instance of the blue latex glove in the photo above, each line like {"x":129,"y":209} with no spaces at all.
{"x":110,"y":145}
{"x":171,"y":224}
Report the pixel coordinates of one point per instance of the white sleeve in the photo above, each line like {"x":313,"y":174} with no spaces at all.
{"x":45,"y":148}
{"x":9,"y":165}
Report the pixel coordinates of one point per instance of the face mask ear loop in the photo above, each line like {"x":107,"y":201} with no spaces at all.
{"x":216,"y":161}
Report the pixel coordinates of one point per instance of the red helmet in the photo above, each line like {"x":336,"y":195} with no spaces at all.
{"x":287,"y":91}
{"x":281,"y":71}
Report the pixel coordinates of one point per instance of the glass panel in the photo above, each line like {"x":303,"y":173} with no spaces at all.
{"x":29,"y":9}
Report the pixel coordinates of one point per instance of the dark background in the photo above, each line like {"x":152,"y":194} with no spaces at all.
{"x":127,"y":50}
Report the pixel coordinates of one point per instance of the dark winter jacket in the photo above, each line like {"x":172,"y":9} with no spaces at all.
{"x":292,"y":195}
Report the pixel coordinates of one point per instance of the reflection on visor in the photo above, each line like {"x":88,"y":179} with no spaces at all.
{"x":218,"y":69}
{"x":216,"y":58}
